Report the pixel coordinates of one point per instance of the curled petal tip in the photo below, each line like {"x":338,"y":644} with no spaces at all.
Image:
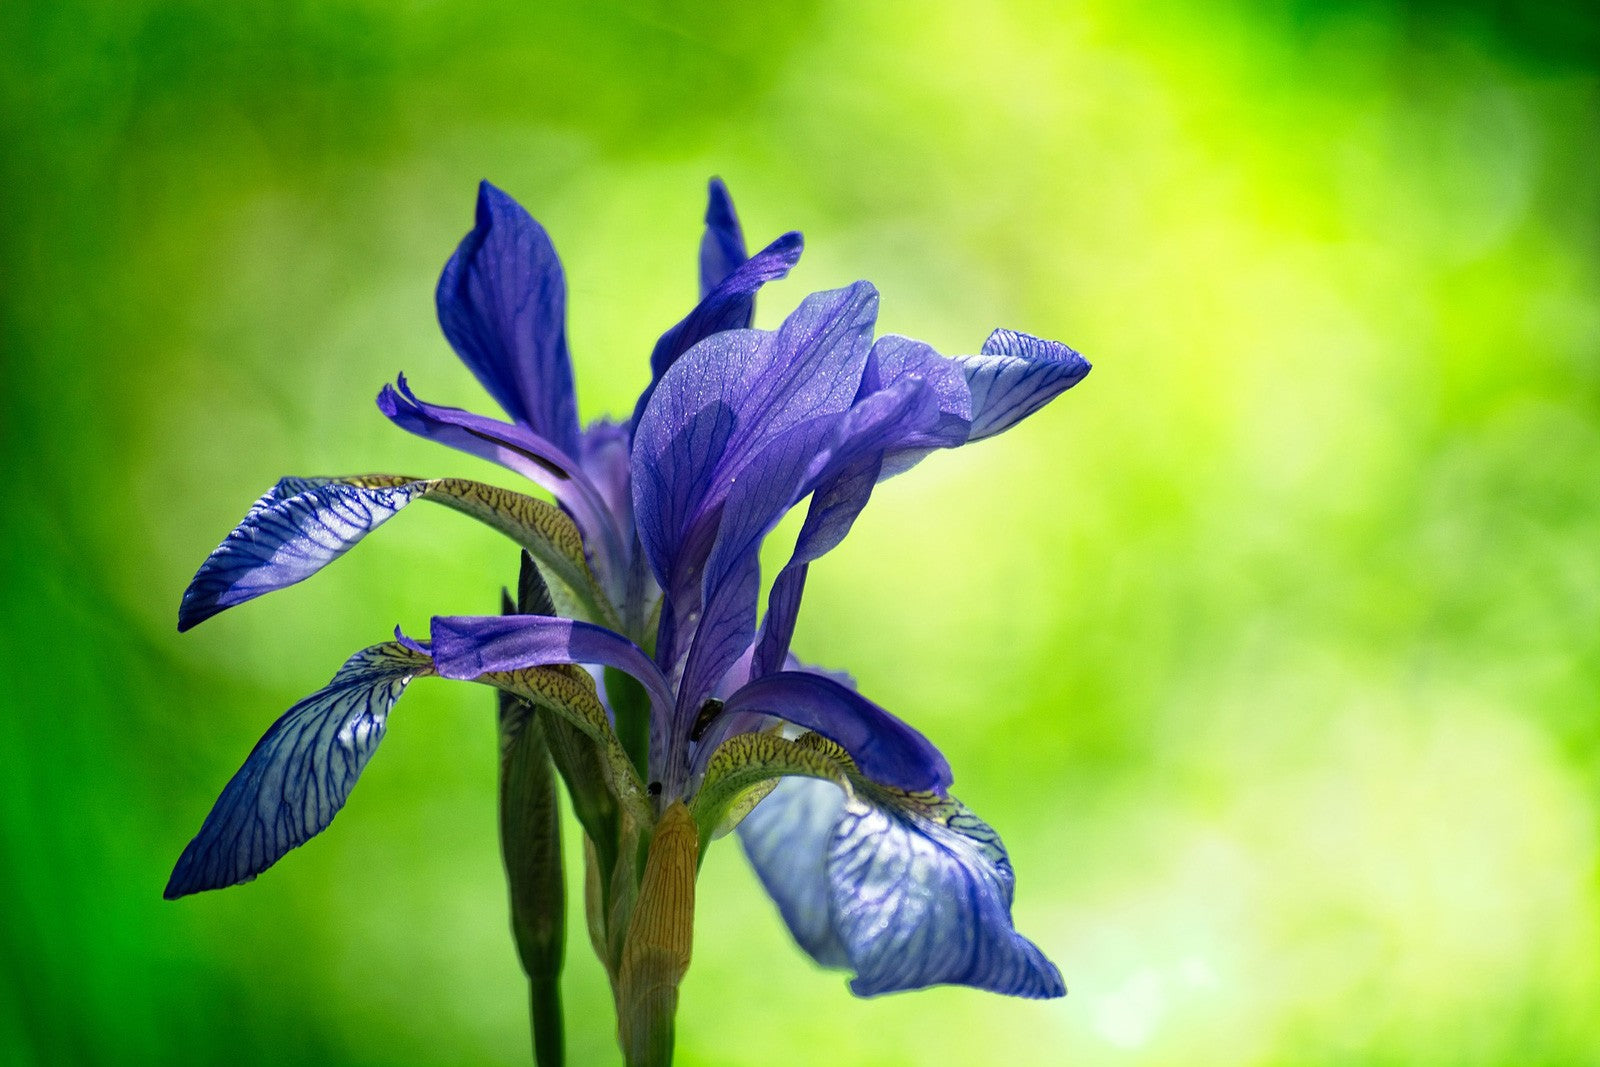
{"x":1015,"y":375}
{"x":392,"y":398}
{"x":422,"y":648}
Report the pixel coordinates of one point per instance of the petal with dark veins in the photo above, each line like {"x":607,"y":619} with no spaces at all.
{"x":299,"y":774}
{"x":906,"y":890}
{"x":502,"y":302}
{"x":1016,"y":375}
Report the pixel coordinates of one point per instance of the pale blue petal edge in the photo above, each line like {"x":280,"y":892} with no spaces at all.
{"x":906,"y":890}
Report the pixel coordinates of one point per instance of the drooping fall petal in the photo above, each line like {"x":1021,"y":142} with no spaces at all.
{"x":914,"y":890}
{"x":299,"y":774}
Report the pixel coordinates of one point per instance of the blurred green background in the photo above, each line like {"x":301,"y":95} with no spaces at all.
{"x":1273,"y":650}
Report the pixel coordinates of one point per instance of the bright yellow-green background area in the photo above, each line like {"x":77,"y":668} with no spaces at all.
{"x":1272,"y":650}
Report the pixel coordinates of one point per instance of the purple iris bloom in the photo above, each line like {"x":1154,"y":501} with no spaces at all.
{"x":649,"y":557}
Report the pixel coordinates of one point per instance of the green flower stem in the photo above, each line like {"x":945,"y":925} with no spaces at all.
{"x":544,"y":1011}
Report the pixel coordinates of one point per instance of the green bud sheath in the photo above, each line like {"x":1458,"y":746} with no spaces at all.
{"x":530,"y":842}
{"x":655,"y":953}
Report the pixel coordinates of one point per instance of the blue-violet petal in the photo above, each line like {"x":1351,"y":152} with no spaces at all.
{"x":502,"y":302}
{"x":299,"y":774}
{"x":885,"y":749}
{"x":918,"y":893}
{"x":468,"y":646}
{"x":722,"y":247}
{"x":1016,"y":375}
{"x":297,"y":527}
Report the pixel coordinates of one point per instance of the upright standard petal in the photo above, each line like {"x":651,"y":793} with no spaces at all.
{"x":502,"y":303}
{"x":833,"y":510}
{"x":729,"y":306}
{"x":893,"y":360}
{"x":789,"y":467}
{"x":890,"y":436}
{"x":1016,"y":375}
{"x":299,"y":774}
{"x":714,"y":411}
{"x":725,"y":602}
{"x":722,"y":248}
{"x":977,"y":396}
{"x":916,"y":890}
{"x":730,"y":395}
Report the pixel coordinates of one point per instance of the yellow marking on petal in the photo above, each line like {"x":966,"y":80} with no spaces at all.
{"x":569,"y":692}
{"x":388,"y":654}
{"x":743,"y":805}
{"x":747,"y":762}
{"x":828,"y":748}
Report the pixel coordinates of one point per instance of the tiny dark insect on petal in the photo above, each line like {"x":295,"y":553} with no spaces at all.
{"x":704,"y":718}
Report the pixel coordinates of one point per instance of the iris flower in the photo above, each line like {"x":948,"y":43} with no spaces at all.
{"x":635,"y":660}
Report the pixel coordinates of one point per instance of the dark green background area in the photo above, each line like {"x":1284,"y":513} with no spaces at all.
{"x":1272,"y":650}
